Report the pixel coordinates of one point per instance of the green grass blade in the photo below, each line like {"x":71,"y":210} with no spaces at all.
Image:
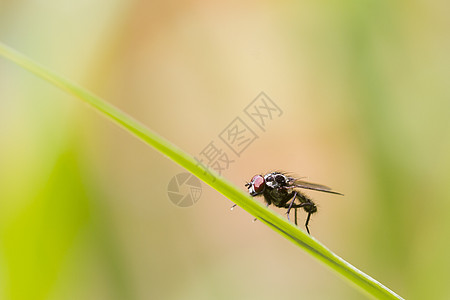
{"x":274,"y":221}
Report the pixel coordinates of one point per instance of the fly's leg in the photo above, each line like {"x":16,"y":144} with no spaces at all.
{"x":290,"y":206}
{"x":309,"y":214}
{"x":303,"y":204}
{"x":307,"y":221}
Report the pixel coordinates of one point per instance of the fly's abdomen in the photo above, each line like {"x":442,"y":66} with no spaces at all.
{"x":312,"y":208}
{"x":307,"y":204}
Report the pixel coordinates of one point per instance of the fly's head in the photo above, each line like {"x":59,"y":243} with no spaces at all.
{"x":256,"y":186}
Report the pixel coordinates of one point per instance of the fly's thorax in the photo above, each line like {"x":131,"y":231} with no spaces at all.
{"x":278,"y":197}
{"x":275,"y":180}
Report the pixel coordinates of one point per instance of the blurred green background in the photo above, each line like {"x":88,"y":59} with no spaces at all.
{"x":365,"y":91}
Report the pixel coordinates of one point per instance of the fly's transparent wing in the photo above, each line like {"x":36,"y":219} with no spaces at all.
{"x":312,"y":186}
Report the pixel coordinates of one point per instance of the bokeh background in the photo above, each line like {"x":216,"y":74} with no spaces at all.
{"x":365,"y":93}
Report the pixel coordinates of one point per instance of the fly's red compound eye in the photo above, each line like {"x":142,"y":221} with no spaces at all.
{"x":258,"y":183}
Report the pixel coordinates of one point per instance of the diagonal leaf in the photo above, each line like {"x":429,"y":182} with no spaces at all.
{"x":274,"y":221}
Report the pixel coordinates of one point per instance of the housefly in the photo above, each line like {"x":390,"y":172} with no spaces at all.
{"x":281,"y":190}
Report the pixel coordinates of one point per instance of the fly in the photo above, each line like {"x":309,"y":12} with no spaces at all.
{"x":281,"y":190}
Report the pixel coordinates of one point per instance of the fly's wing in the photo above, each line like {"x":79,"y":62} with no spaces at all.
{"x":297,"y":183}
